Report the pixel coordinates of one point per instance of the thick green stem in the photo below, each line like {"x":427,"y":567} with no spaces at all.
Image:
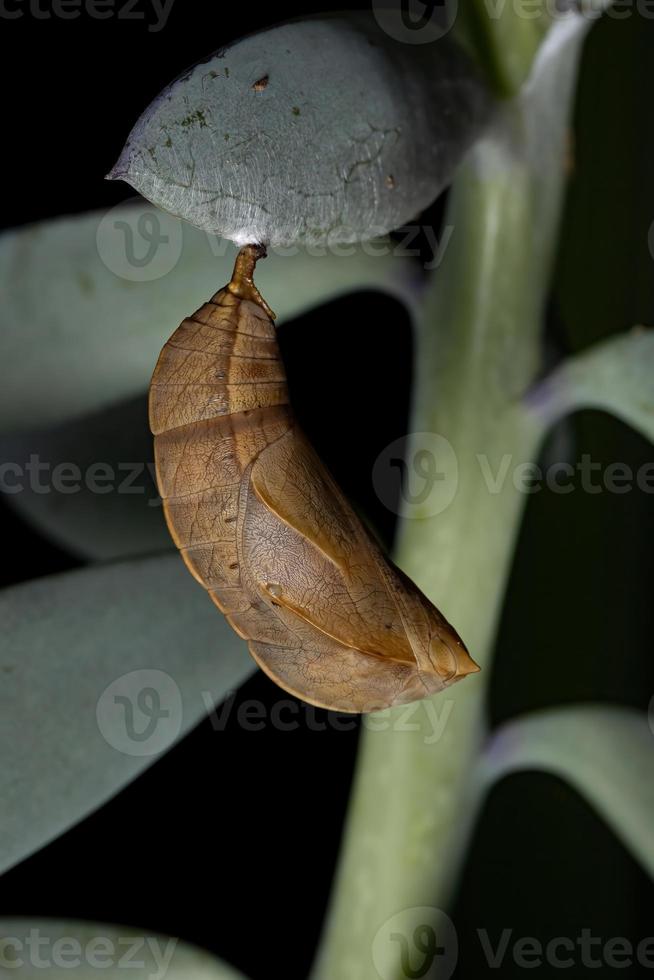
{"x":478,"y":350}
{"x":409,"y":813}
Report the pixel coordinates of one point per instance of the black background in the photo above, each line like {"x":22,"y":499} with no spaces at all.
{"x":230,"y":840}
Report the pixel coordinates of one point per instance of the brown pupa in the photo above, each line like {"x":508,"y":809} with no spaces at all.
{"x":263,"y":526}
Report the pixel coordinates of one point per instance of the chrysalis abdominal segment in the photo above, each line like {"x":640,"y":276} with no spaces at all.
{"x":262,"y":525}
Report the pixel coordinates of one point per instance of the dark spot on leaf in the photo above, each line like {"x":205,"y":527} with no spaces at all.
{"x":296,"y":111}
{"x":261,"y":84}
{"x":234,"y":564}
{"x":85,"y":282}
{"x":194,"y":117}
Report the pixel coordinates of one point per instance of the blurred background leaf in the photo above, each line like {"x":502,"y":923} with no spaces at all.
{"x":87,"y":303}
{"x":503,"y":40}
{"x":86,"y":950}
{"x":615,"y":376}
{"x":99,"y":517}
{"x":72,"y":645}
{"x":605,"y":753}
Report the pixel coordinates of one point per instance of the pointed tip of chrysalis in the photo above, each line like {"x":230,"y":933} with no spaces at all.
{"x":465,"y":664}
{"x":450,"y":658}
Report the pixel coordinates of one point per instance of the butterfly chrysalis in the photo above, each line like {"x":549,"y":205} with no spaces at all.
{"x":263,"y":526}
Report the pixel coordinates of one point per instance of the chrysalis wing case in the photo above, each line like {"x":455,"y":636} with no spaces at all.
{"x":264,"y":528}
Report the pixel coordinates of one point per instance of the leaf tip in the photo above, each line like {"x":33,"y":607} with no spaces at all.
{"x":121,"y":168}
{"x":116,"y":173}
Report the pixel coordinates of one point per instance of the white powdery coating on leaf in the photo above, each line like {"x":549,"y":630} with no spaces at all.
{"x":319,"y":131}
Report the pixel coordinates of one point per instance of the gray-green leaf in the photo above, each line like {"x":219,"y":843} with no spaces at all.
{"x":616,"y":375}
{"x":605,"y":752}
{"x":94,"y":492}
{"x":102,"y":670}
{"x":320,"y":130}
